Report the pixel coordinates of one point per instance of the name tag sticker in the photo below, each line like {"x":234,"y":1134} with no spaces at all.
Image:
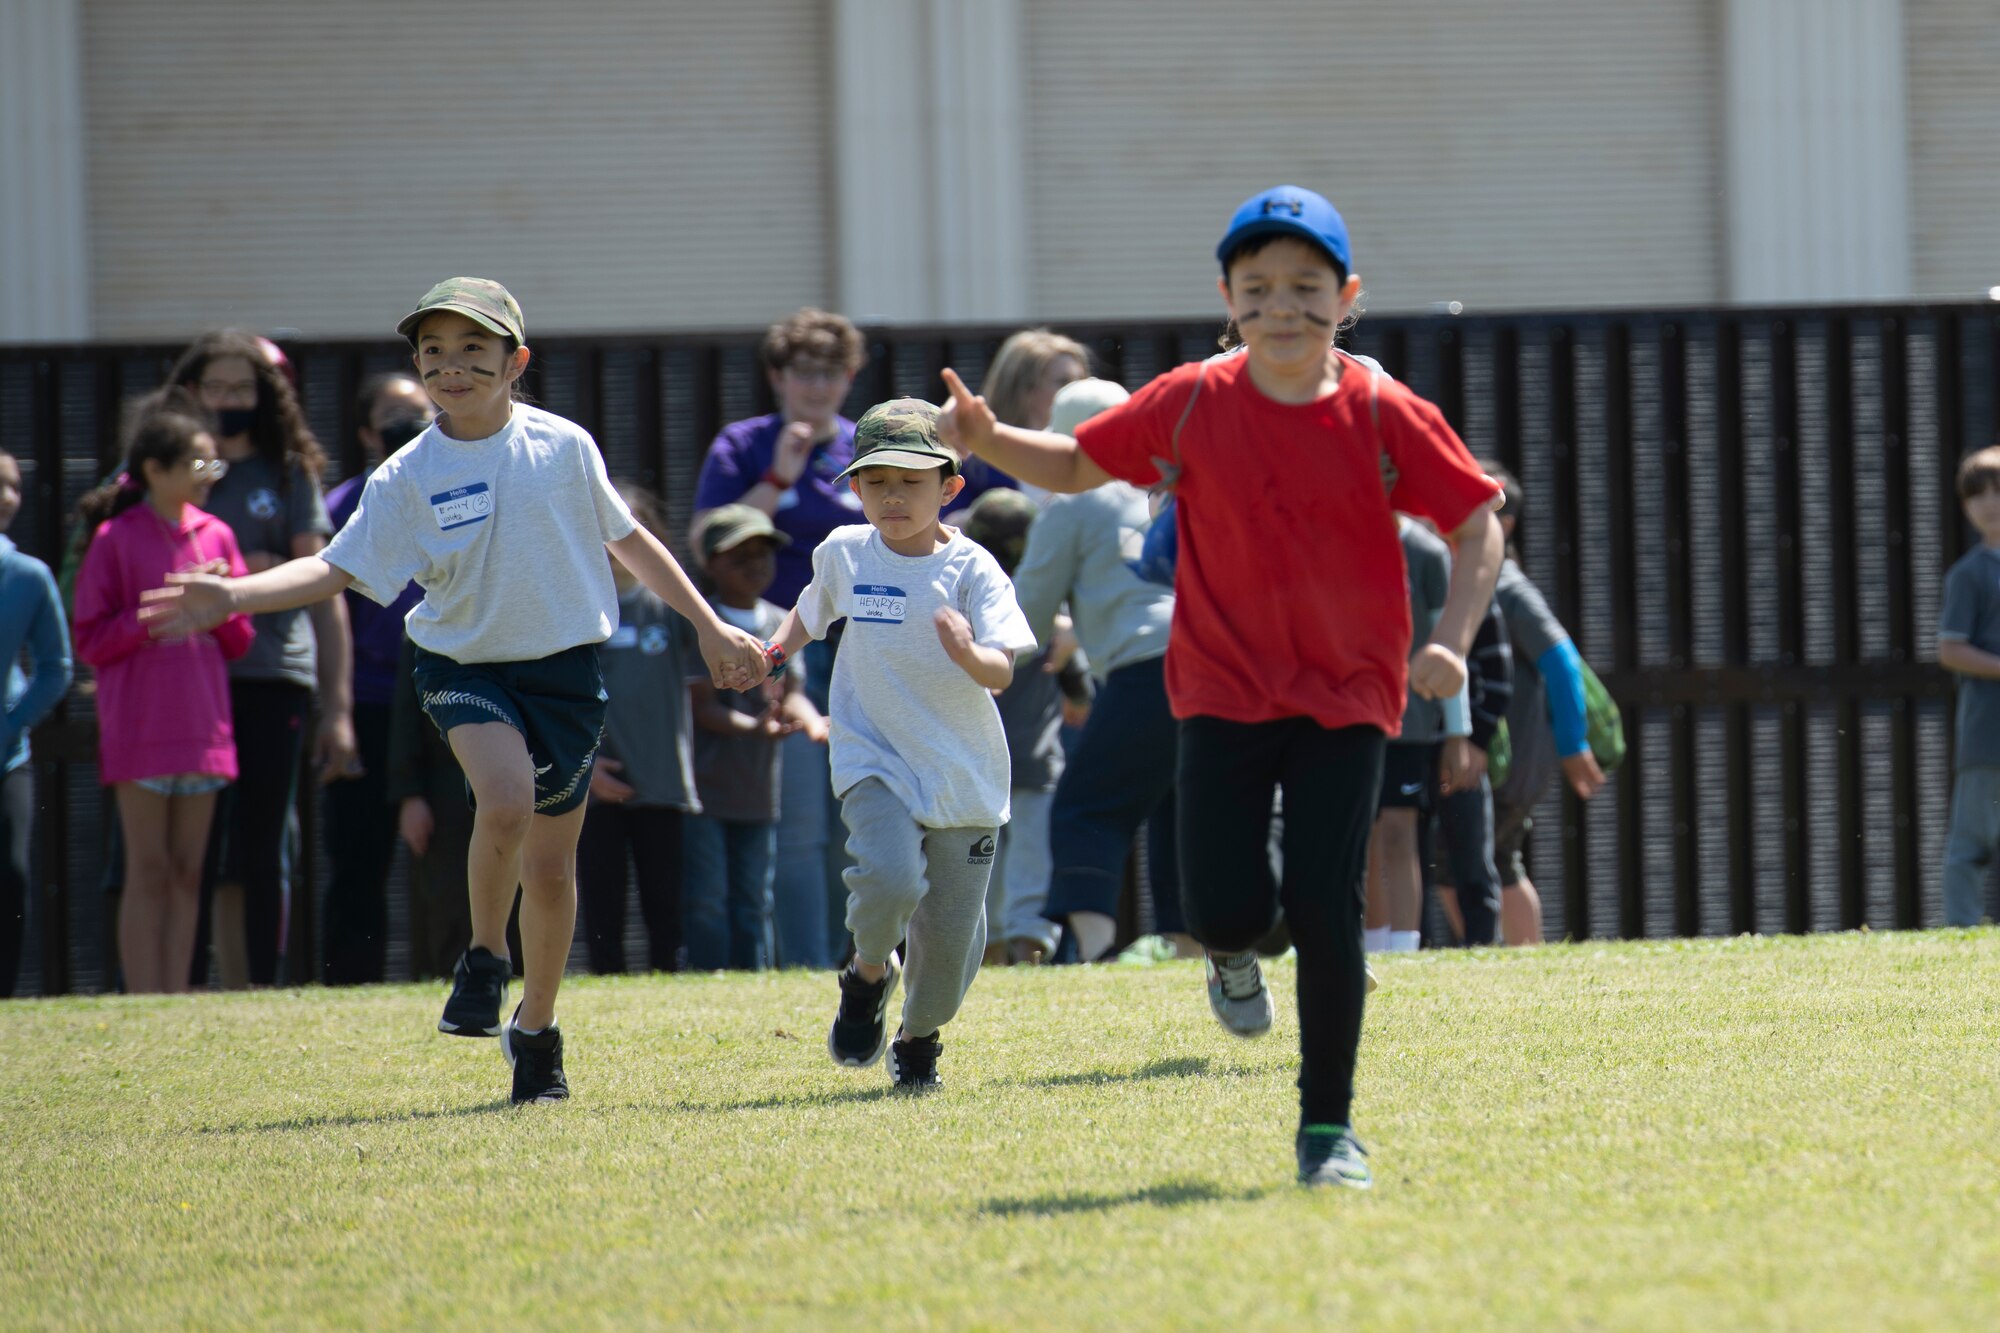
{"x":462,"y":505}
{"x":880,"y":604}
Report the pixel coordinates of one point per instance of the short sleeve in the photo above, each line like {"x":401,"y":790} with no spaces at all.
{"x":819,"y":603}
{"x":1533,"y":628}
{"x":614,"y":517}
{"x":1436,"y":477}
{"x":722,"y":481}
{"x":1959,"y":616}
{"x":993,"y":610}
{"x":305,"y":507}
{"x":376,"y":547}
{"x":1126,"y":440}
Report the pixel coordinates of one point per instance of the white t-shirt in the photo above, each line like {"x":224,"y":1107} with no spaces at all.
{"x":506,"y":536}
{"x":900,"y":709}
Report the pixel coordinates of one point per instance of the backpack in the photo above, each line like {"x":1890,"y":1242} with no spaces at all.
{"x":1159,"y":553}
{"x":1604,"y":728}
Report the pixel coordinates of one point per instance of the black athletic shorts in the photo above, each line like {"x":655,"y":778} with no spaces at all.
{"x":1409,"y":775}
{"x":555,"y":702}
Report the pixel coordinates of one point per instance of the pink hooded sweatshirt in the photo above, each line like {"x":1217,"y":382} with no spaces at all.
{"x":162,"y":704}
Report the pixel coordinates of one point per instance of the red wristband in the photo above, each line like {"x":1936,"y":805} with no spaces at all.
{"x":774,"y":481}
{"x":774,"y":653}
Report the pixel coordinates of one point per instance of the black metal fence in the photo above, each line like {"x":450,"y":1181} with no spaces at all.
{"x":1744,"y":518}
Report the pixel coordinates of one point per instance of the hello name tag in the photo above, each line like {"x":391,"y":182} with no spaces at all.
{"x":625,"y":636}
{"x":462,"y":505}
{"x":880,"y":604}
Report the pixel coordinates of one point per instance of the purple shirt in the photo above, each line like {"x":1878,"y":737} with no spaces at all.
{"x":821,"y":502}
{"x":377,"y":630}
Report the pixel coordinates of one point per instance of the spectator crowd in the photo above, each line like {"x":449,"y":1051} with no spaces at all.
{"x":715,"y":806}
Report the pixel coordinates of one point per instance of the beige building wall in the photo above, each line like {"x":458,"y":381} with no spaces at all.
{"x":1954,"y":56}
{"x":622,"y":164}
{"x":643,"y":165}
{"x":1554,"y":153}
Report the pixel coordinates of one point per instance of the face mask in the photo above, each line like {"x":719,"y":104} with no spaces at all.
{"x":233,"y":421}
{"x":399,"y":431}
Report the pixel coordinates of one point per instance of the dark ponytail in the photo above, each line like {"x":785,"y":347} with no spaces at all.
{"x":159,"y":428}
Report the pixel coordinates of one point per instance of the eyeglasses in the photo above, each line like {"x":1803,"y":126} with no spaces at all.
{"x":813,"y":372}
{"x":238,"y":390}
{"x":211,"y":469}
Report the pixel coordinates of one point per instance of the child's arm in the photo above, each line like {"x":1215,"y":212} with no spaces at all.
{"x":48,"y":648}
{"x":793,"y":636}
{"x":1960,"y":656}
{"x":192,"y":603}
{"x":1039,"y":457}
{"x":711,"y":714}
{"x":107,"y":627}
{"x":1438,"y":668}
{"x":990,"y":667}
{"x":735,"y":659}
{"x":799,"y":711}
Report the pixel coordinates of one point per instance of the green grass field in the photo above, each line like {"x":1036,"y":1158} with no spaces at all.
{"x":1798,"y":1133}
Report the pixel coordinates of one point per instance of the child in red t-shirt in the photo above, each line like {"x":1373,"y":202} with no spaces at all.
{"x":1290,"y":651}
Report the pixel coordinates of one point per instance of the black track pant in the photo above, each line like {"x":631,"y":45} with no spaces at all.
{"x":17,"y":821}
{"x":1331,"y":781}
{"x":360,"y":841}
{"x":247,"y":842}
{"x":650,"y":836}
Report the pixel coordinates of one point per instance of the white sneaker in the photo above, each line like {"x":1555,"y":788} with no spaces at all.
{"x":1237,"y":994}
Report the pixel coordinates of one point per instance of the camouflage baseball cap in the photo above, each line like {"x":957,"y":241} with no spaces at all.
{"x":900,"y":433}
{"x":481,"y":300}
{"x":729,"y":526}
{"x":999,"y":520}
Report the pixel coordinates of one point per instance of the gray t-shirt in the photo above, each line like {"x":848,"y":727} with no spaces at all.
{"x":1080,"y":549}
{"x":506,"y":536}
{"x":900,"y":709}
{"x":647,"y":726}
{"x":1532,"y":629}
{"x":1031,"y":716}
{"x":1971,"y":614}
{"x":265,"y":516}
{"x":739,"y":775}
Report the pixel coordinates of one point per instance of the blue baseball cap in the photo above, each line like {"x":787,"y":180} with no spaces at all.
{"x":1290,"y":210}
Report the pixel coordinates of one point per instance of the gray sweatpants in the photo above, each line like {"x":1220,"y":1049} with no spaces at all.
{"x":926,"y":885}
{"x":1969,"y":848}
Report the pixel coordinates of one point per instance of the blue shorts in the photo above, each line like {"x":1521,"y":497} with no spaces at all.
{"x":555,"y":702}
{"x":184,"y":784}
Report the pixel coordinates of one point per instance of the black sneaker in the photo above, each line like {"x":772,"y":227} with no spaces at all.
{"x":537,"y":1062}
{"x":859,"y":1033}
{"x":478,"y":986}
{"x":913,"y":1063}
{"x":1331,"y":1155}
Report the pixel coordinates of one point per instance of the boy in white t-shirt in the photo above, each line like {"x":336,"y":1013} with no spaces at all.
{"x":919,"y":756}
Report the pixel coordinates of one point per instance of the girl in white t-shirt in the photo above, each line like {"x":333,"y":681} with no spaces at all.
{"x":502,"y":513}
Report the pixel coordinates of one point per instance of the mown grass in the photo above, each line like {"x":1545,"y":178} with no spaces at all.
{"x":1796,"y":1133}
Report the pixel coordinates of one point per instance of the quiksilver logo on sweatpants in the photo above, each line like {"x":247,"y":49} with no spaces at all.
{"x":982,"y":852}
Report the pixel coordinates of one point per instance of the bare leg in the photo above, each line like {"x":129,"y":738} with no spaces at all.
{"x":502,"y":777}
{"x":187,"y":821}
{"x":1520,"y":913}
{"x":1402,"y":879}
{"x":227,"y":935}
{"x":142,"y":907}
{"x":548,"y":911}
{"x":1376,"y":914}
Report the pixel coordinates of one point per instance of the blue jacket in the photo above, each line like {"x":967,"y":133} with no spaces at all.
{"x":31,"y":617}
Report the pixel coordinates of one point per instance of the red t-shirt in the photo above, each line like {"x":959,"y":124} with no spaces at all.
{"x":1292,"y":599}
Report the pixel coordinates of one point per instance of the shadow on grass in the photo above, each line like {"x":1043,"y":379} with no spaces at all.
{"x":1166,"y":1194}
{"x":1187,"y":1066}
{"x":359,"y":1118}
{"x":787,"y":1102}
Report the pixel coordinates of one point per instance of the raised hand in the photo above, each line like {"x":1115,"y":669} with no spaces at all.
{"x":795,"y":443}
{"x":604,"y":786}
{"x":966,"y":422}
{"x":189,"y":604}
{"x":954,"y":631}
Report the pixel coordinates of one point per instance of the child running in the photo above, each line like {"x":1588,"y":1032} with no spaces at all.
{"x":919,"y":757}
{"x":1291,"y":630}
{"x":164,"y":735}
{"x":502,"y":513}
